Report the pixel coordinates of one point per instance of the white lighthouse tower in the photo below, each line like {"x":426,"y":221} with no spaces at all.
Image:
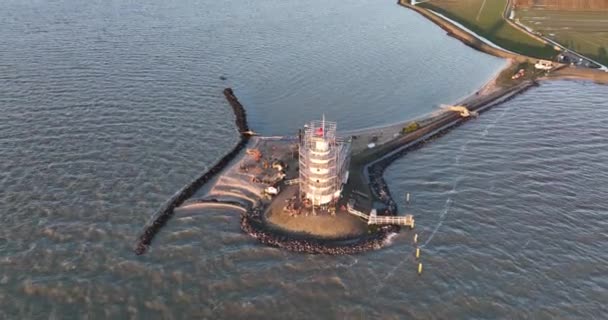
{"x":324,"y":160}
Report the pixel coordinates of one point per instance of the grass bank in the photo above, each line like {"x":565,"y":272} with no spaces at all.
{"x":583,"y":31}
{"x":486,"y":18}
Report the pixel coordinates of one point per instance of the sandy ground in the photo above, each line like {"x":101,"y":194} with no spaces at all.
{"x":597,"y":76}
{"x":236,"y":184}
{"x":341,"y":225}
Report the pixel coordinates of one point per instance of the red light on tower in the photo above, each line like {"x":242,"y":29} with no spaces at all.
{"x":319,"y":131}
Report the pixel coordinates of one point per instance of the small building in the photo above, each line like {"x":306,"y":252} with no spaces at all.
{"x":272,"y":190}
{"x":519,"y":74}
{"x":544,"y":65}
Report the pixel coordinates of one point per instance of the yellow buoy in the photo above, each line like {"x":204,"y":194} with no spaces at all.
{"x":417,"y":253}
{"x":420,"y":268}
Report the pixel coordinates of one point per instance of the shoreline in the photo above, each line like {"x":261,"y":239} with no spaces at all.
{"x":571,"y":73}
{"x":566,"y":72}
{"x":252,"y":223}
{"x":465,"y":37}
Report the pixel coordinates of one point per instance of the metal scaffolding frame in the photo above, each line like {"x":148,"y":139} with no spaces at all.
{"x":322,"y":160}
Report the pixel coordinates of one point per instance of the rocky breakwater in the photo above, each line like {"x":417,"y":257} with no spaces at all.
{"x":252,"y":222}
{"x":160,"y":218}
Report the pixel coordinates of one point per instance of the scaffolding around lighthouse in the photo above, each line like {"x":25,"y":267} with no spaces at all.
{"x":324,"y":161}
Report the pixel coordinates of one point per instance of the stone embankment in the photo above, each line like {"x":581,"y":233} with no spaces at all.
{"x":160,"y":218}
{"x":252,"y":222}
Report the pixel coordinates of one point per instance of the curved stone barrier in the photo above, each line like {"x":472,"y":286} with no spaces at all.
{"x":253,"y":224}
{"x":239,"y":111}
{"x":214,"y":202}
{"x":160,"y":218}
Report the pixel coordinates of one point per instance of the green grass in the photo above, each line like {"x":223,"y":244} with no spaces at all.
{"x":504,"y":78}
{"x":585,"y":32}
{"x":485,"y":17}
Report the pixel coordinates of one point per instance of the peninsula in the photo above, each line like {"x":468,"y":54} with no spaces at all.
{"x":318,"y":191}
{"x":321,"y":190}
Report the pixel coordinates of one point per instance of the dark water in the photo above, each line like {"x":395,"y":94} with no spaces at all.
{"x":512,"y":208}
{"x":108,"y":107}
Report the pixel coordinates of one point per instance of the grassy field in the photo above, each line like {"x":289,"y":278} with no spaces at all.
{"x":583,"y":31}
{"x":485,"y":17}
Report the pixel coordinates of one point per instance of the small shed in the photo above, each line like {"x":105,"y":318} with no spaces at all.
{"x":544,"y":65}
{"x":272,"y":190}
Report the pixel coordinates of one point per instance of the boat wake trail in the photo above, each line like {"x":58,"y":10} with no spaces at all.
{"x":347,"y":265}
{"x":463,"y":149}
{"x":392,"y":272}
{"x":446,"y":210}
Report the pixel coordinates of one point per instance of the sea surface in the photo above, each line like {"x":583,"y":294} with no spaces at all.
{"x":108,"y":107}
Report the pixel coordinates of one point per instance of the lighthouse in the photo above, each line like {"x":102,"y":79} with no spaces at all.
{"x":324,"y":159}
